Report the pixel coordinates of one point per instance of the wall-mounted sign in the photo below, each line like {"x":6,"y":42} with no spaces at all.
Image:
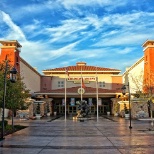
{"x":78,"y":79}
{"x":81,"y":91}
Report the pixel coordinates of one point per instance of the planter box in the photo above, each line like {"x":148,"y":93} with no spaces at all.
{"x":6,"y":113}
{"x":48,"y":114}
{"x":108,"y":113}
{"x":38,"y":116}
{"x":55,"y":113}
{"x":116,"y":114}
{"x":127,"y":116}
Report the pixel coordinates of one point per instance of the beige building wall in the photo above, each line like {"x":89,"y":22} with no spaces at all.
{"x":32,"y":78}
{"x":106,"y":78}
{"x":134,"y":75}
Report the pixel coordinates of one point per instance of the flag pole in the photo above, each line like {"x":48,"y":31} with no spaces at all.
{"x":97,"y":91}
{"x":81,"y":83}
{"x":65,"y":92}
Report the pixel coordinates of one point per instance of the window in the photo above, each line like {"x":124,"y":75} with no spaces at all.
{"x":60,"y":84}
{"x":102,"y":84}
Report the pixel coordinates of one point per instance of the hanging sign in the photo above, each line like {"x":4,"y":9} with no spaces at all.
{"x":81,"y":91}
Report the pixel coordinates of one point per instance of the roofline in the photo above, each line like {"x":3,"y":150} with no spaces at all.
{"x":14,"y":41}
{"x":78,"y":71}
{"x":143,"y":45}
{"x":140,"y":60}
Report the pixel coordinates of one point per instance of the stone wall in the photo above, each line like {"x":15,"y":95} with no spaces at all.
{"x":139,"y":109}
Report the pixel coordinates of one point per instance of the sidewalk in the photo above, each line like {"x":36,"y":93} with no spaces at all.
{"x":108,"y":135}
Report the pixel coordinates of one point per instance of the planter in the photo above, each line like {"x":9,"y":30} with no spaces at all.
{"x":6,"y":113}
{"x":48,"y":114}
{"x":116,"y":114}
{"x":38,"y":116}
{"x":126,"y":116}
{"x":108,"y":113}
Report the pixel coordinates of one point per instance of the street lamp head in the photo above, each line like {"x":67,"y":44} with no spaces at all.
{"x":13,"y":73}
{"x":123,"y":89}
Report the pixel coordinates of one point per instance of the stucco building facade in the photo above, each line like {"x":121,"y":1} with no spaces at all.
{"x":96,"y":85}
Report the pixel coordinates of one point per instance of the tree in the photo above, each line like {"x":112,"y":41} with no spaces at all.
{"x":140,"y":88}
{"x":16,"y":93}
{"x":144,"y":89}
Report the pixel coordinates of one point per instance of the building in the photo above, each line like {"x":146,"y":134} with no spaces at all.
{"x":81,"y":82}
{"x":141,"y":79}
{"x":74,"y":83}
{"x":148,"y":49}
{"x":141,"y":73}
{"x":134,"y":75}
{"x":10,"y":50}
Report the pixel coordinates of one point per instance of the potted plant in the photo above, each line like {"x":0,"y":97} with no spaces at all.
{"x":48,"y":110}
{"x":38,"y":115}
{"x":126,"y":111}
{"x":108,"y":110}
{"x":55,"y":109}
{"x":116,"y":109}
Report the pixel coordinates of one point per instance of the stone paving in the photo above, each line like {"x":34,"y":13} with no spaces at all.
{"x":108,"y":135}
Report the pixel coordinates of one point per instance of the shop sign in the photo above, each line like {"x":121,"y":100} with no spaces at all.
{"x":78,"y":79}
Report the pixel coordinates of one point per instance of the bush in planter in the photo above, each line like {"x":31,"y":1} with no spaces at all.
{"x":116,"y":109}
{"x":38,"y":109}
{"x":108,"y":110}
{"x":55,"y":108}
{"x":126,"y":109}
{"x":5,"y":123}
{"x":48,"y":108}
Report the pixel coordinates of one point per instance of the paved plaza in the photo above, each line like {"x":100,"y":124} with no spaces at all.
{"x":108,"y":135}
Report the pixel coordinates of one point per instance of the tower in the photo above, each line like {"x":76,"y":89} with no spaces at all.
{"x":11,"y":50}
{"x":148,"y":63}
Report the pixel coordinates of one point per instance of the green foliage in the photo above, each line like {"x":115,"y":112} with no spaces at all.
{"x":55,"y":107}
{"x":48,"y":108}
{"x":38,"y":109}
{"x":8,"y":127}
{"x":5,"y":123}
{"x":116,"y":107}
{"x":126,"y":109}
{"x":107,"y":108}
{"x":16,"y":93}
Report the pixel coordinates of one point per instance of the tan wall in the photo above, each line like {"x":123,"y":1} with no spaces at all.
{"x":107,"y":78}
{"x":135,"y":76}
{"x":116,"y":82}
{"x":31,"y":78}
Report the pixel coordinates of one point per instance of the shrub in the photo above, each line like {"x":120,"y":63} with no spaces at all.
{"x":5,"y":123}
{"x":126,"y":110}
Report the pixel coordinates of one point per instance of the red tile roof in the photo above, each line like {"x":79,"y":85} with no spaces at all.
{"x":84,"y":68}
{"x":75,"y":89}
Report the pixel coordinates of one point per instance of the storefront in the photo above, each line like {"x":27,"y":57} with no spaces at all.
{"x":95,"y":85}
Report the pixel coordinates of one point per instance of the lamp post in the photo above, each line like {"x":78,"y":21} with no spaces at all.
{"x":13,"y":73}
{"x":124,"y":92}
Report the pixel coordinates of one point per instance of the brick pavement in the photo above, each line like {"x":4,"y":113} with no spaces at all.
{"x":108,"y":135}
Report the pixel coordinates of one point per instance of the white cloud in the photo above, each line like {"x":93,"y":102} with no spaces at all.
{"x":15,"y":32}
{"x":74,"y":3}
{"x":66,"y":32}
{"x":125,"y":51}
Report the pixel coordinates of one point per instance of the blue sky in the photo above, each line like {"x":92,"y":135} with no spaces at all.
{"x":57,"y":33}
